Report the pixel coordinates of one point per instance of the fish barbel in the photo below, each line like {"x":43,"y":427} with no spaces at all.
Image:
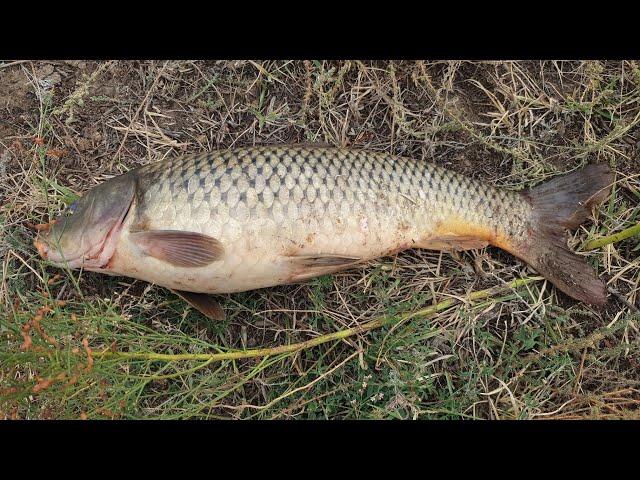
{"x":248,"y":218}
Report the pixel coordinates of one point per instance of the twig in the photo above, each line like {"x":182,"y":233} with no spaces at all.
{"x":11,"y":64}
{"x":339,"y":335}
{"x":616,"y":237}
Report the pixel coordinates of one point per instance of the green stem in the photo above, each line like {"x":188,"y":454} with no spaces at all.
{"x":339,"y":335}
{"x":616,"y":237}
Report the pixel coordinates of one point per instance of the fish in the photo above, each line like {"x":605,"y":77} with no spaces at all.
{"x":247,"y":218}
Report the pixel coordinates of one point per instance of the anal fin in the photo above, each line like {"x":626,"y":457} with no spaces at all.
{"x":314,"y":265}
{"x":202,"y":302}
{"x":323,"y":260}
{"x":452,"y":243}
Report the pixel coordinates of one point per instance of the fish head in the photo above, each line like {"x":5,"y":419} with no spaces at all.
{"x":85,"y":234}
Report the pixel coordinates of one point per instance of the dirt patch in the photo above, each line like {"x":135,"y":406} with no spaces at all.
{"x":16,"y":94}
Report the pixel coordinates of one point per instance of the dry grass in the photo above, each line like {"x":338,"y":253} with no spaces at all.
{"x":527,"y":353}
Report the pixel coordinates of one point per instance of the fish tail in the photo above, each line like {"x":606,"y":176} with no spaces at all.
{"x":557,"y":205}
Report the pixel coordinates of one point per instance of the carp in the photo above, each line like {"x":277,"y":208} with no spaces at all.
{"x":248,"y":218}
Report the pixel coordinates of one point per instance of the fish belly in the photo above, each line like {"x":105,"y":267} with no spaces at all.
{"x":265,"y":254}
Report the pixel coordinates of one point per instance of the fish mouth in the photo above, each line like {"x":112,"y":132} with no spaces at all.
{"x":98,"y":258}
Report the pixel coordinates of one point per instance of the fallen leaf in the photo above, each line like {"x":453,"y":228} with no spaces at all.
{"x":35,"y":321}
{"x":28,"y":341}
{"x":87,"y":349}
{"x":40,"y":226}
{"x":55,"y":153}
{"x":43,"y":383}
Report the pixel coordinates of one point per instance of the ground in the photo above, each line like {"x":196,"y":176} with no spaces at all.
{"x":83,"y":345}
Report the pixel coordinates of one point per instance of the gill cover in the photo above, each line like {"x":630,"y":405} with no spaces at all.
{"x":82,"y":232}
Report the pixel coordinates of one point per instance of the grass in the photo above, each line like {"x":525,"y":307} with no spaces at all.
{"x":419,"y":335}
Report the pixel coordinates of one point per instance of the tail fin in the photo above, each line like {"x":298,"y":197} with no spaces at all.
{"x":559,"y":204}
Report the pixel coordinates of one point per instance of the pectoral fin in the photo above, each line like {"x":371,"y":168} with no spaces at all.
{"x":202,"y":302}
{"x":182,"y":249}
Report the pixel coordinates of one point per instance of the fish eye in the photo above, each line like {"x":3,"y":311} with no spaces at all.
{"x":72,"y":208}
